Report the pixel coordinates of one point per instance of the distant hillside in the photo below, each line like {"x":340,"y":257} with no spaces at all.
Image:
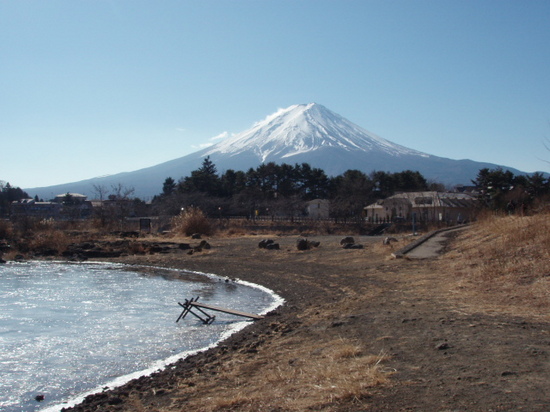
{"x":306,"y":133}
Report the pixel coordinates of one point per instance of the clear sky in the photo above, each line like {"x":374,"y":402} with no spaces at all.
{"x":89,"y":88}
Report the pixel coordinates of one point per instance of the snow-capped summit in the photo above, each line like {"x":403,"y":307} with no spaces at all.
{"x":303,"y":128}
{"x":303,"y":133}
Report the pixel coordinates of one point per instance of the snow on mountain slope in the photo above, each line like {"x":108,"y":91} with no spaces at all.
{"x":304,"y":128}
{"x":306,"y":133}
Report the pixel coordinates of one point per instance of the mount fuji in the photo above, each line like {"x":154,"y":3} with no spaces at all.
{"x":304,"y":133}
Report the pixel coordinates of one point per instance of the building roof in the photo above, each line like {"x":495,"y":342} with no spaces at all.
{"x":428,"y":199}
{"x":74,"y":195}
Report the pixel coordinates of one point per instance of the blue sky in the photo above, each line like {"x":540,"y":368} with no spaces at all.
{"x":89,"y":88}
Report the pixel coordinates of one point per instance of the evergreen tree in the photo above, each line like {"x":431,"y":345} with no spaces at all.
{"x":168,"y":187}
{"x":493,"y":185}
{"x":351,"y":192}
{"x":409,"y":181}
{"x":313,"y":182}
{"x":8,"y":195}
{"x":232,"y":183}
{"x":205,"y":179}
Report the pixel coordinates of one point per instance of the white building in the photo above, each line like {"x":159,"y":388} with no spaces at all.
{"x":318,"y":209}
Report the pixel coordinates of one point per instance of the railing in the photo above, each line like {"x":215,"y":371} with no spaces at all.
{"x":291,"y":219}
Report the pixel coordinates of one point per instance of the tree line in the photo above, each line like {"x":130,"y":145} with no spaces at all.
{"x":9,"y":194}
{"x":272,"y":189}
{"x":501,"y":190}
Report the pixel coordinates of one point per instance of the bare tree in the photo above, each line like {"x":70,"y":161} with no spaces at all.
{"x":115,"y":205}
{"x":100,"y":192}
{"x":121,"y":192}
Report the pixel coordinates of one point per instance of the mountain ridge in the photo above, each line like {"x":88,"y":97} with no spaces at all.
{"x":305,"y":128}
{"x":304,"y":133}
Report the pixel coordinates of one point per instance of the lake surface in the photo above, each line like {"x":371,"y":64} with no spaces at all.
{"x":70,"y":329}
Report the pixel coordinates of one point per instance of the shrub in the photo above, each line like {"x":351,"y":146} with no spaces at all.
{"x":6,"y":229}
{"x":191,"y":220}
{"x":53,"y":239}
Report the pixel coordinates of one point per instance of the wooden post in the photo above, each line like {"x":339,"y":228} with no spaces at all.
{"x":193,"y":304}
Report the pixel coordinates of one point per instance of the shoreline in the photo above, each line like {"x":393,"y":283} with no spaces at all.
{"x":161,"y":364}
{"x":235,"y":341}
{"x":358,"y":331}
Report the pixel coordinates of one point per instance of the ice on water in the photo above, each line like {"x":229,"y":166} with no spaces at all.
{"x":66,"y":329}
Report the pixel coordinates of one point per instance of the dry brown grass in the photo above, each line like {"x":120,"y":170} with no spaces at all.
{"x":6,"y":229}
{"x":46,"y":235}
{"x":302,"y":377}
{"x":191,"y":220}
{"x":288,"y":372}
{"x":508,"y":259}
{"x":244,"y":227}
{"x":54,"y":239}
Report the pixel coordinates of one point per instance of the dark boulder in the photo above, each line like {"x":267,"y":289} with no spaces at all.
{"x":302,"y":244}
{"x":388,"y":240}
{"x":352,"y":246}
{"x":4,"y":246}
{"x":347,"y":241}
{"x":90,"y":250}
{"x":156,"y":248}
{"x":124,"y":234}
{"x":204,"y":245}
{"x":102,"y":253}
{"x":264,"y":243}
{"x":46,"y":252}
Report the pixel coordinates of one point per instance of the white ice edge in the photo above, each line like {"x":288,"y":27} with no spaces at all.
{"x":164,"y":363}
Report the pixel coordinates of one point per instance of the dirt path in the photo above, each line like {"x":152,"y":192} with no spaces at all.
{"x":434,"y":246}
{"x":449,"y":358}
{"x":432,"y":347}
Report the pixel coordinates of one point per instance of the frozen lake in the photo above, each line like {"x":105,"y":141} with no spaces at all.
{"x":68,"y":329}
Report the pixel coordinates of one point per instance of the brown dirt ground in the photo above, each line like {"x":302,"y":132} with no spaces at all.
{"x":359,"y":331}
